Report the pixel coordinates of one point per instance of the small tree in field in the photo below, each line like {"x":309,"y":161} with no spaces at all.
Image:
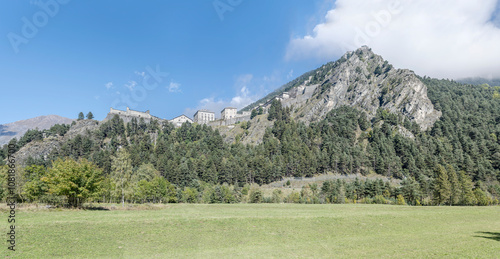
{"x":121,"y":173}
{"x":76,"y":180}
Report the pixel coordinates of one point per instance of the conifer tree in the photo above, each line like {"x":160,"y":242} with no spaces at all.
{"x":467,"y":196}
{"x":253,"y":114}
{"x":442,"y":187}
{"x":90,"y":116}
{"x":80,"y":116}
{"x":454,"y":185}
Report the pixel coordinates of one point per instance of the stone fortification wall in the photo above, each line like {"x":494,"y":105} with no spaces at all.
{"x":231,"y":121}
{"x":129,"y":114}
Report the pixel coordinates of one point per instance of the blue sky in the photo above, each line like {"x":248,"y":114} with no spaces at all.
{"x":174,"y":57}
{"x":86,"y":46}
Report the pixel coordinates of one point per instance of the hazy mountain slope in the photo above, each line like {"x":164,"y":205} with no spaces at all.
{"x":18,"y":128}
{"x":479,"y":81}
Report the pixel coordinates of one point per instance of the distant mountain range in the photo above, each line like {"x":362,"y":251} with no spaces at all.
{"x":18,"y":128}
{"x":480,"y":81}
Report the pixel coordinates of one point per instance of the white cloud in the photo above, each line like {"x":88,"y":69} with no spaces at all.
{"x":108,"y":85}
{"x":130,"y":85}
{"x":448,"y":38}
{"x":141,"y":74}
{"x":174,"y":87}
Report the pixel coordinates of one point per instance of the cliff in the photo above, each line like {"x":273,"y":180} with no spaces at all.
{"x":359,"y":79}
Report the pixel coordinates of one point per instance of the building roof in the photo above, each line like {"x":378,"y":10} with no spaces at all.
{"x":181,"y":116}
{"x":228,"y":108}
{"x":207,"y":111}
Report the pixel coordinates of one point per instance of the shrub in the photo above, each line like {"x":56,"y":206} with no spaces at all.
{"x":379,"y":199}
{"x":277,"y":198}
{"x":255,"y":196}
{"x":294,"y":197}
{"x":400,"y":200}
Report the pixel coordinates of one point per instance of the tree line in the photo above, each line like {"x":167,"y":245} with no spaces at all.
{"x":456,"y":162}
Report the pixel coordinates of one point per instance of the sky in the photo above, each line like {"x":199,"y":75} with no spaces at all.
{"x":174,"y":57}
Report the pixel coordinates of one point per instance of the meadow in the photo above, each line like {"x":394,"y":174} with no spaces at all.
{"x":257,"y":231}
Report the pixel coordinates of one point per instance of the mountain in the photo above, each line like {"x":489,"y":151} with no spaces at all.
{"x":355,"y":116}
{"x":18,"y":128}
{"x":359,"y":79}
{"x":480,"y":81}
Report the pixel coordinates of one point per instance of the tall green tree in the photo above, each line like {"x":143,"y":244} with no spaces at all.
{"x":34,"y":188}
{"x":121,"y":173}
{"x":467,"y":196}
{"x":75,"y":180}
{"x":454,"y":185}
{"x":442,"y":189}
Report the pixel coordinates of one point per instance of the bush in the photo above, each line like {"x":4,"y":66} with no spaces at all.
{"x":190,"y":195}
{"x":277,"y":198}
{"x":255,"y":196}
{"x":482,"y":199}
{"x":294,"y":197}
{"x":400,"y":200}
{"x":379,"y":199}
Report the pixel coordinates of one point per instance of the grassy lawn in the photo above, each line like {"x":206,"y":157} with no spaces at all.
{"x":258,"y":231}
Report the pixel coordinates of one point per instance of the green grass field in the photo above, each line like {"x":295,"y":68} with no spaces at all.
{"x":259,"y":231}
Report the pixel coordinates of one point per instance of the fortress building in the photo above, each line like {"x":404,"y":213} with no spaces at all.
{"x":204,"y":116}
{"x":228,"y":113}
{"x":128,"y":114}
{"x":229,"y":116}
{"x":179,"y":120}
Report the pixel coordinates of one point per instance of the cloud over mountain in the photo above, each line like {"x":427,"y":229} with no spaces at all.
{"x":449,"y":38}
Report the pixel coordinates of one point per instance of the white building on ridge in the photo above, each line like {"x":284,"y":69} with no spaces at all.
{"x":179,"y":120}
{"x":228,"y":113}
{"x":204,"y":116}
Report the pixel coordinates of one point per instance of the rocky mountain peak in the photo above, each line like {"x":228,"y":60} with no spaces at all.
{"x":366,"y":81}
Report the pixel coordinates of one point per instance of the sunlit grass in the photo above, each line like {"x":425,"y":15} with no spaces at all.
{"x":259,"y":231}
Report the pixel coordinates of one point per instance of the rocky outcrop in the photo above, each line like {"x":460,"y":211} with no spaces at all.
{"x":18,"y":128}
{"x":363,"y":80}
{"x":42,"y":149}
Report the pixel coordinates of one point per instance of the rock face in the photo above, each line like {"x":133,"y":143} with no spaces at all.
{"x":18,"y":128}
{"x":42,"y":149}
{"x":366,"y":81}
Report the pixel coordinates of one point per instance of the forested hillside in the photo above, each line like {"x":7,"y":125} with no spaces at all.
{"x":457,"y":161}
